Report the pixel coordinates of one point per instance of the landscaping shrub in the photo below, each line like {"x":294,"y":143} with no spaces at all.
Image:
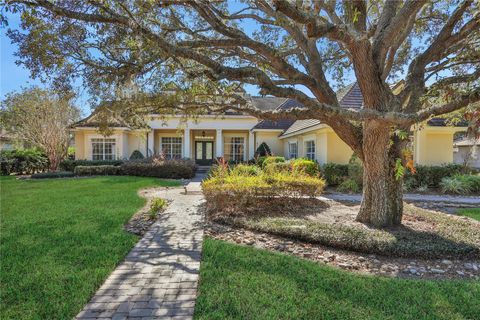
{"x":55,"y":174}
{"x":263,"y":161}
{"x":305,"y":166}
{"x":136,"y":155}
{"x":275,"y":167}
{"x":166,"y":169}
{"x":461,"y":184}
{"x":22,"y":161}
{"x":106,"y":170}
{"x":431,"y":176}
{"x":334,"y":173}
{"x":233,"y":190}
{"x":69,"y":165}
{"x":157,"y":205}
{"x":246,"y":170}
{"x":263,"y":150}
{"x":349,"y":185}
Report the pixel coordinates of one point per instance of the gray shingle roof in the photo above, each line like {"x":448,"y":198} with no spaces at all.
{"x":274,"y":125}
{"x":301,"y":125}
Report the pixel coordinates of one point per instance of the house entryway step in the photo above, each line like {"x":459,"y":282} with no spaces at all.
{"x":203,"y":169}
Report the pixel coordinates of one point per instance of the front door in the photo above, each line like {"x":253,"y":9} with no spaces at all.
{"x":204,"y":152}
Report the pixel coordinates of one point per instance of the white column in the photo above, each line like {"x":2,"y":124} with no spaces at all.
{"x":186,"y":143}
{"x":219,"y":144}
{"x":150,"y":143}
{"x":251,"y":145}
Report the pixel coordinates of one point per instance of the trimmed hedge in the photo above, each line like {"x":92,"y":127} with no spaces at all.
{"x":264,"y":161}
{"x":22,"y":161}
{"x":52,"y":175}
{"x":431,"y":176}
{"x":69,"y":165}
{"x":305,"y":166}
{"x":167,"y":169}
{"x":107,"y":170}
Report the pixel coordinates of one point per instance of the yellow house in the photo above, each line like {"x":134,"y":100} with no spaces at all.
{"x":236,"y":136}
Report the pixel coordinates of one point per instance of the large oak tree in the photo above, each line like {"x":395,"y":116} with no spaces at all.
{"x":295,"y":49}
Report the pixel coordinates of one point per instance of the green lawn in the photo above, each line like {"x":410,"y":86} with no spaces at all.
{"x":238,"y":282}
{"x":60,"y":238}
{"x":473,"y":213}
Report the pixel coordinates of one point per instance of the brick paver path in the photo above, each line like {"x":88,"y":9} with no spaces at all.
{"x":158,"y":279}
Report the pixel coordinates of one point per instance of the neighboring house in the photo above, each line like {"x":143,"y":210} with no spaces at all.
{"x":467,"y":152}
{"x":236,"y":136}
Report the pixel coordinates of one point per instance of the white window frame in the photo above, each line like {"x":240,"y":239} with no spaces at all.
{"x":310,"y":154}
{"x":173,"y":144}
{"x":291,"y":154}
{"x":231,"y":148}
{"x":101,"y":152}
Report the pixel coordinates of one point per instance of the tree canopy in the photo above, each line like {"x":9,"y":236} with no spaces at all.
{"x":301,"y":49}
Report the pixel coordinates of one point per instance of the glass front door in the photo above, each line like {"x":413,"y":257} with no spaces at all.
{"x":204,"y":152}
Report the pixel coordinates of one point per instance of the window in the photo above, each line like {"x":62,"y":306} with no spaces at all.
{"x":310,"y":149}
{"x":292,"y":150}
{"x":171,"y":147}
{"x":103,"y":149}
{"x":234,"y":149}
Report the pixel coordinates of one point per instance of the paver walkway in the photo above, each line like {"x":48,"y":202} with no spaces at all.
{"x":158,"y":279}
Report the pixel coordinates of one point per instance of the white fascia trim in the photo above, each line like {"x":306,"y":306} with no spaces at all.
{"x":96,"y":128}
{"x":266,"y":130}
{"x":315,"y":127}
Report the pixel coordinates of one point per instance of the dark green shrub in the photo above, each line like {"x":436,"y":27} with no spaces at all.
{"x":350,"y":185}
{"x":22,"y":161}
{"x":306,"y":166}
{"x":106,"y":170}
{"x":355,"y":170}
{"x":334,"y":173}
{"x":69,"y":165}
{"x":136,"y":155}
{"x":263,"y":161}
{"x":263,"y":150}
{"x":431,"y":176}
{"x":55,"y":174}
{"x":167,"y":169}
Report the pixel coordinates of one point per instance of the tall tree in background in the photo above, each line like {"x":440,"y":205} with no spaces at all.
{"x":40,"y":118}
{"x":295,"y":49}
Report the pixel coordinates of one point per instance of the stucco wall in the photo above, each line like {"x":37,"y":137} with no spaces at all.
{"x":80,"y":145}
{"x":338,"y":151}
{"x":434,"y":145}
{"x":271,"y":139}
{"x":462,"y":152}
{"x":83,"y":143}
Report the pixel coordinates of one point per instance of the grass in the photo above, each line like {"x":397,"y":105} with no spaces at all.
{"x":449,"y":237}
{"x":473,"y":213}
{"x":238,"y":282}
{"x":60,"y":238}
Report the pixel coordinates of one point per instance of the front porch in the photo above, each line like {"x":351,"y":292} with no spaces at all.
{"x":202,"y":145}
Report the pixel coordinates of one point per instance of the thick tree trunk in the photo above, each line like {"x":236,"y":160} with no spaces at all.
{"x":382,"y":203}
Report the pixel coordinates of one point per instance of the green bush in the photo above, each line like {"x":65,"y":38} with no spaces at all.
{"x":157,"y":205}
{"x":22,"y":161}
{"x":55,"y":174}
{"x":106,"y":170}
{"x":69,"y":165}
{"x":461,"y":184}
{"x":334,"y":173}
{"x":275,"y":167}
{"x":305,"y":166}
{"x":355,"y":170}
{"x":263,"y":150}
{"x":349,"y":185}
{"x":432,"y":176}
{"x":166,"y":169}
{"x":232,"y":190}
{"x":263,"y":161}
{"x":136,"y":155}
{"x":246,"y":170}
